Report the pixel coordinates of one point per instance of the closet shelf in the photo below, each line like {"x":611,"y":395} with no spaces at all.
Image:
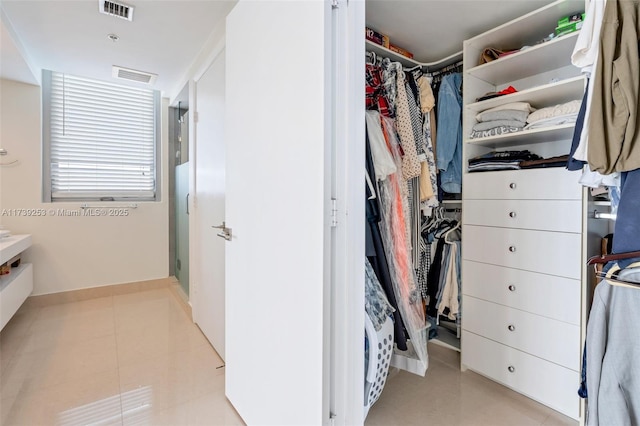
{"x":408,"y":62}
{"x":540,"y":96}
{"x":528,"y":28}
{"x":546,"y":134}
{"x":386,"y":53}
{"x":553,"y":54}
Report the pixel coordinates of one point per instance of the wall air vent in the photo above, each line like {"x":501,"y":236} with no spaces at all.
{"x":133,"y":75}
{"x":116,"y":9}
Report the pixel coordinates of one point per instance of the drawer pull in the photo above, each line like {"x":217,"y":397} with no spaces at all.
{"x":512,"y":185}
{"x":512,"y":249}
{"x":511,"y":369}
{"x":512,"y":287}
{"x":512,"y":214}
{"x":511,"y":327}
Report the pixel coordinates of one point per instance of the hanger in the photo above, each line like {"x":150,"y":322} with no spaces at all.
{"x":372,"y":188}
{"x":451,"y":232}
{"x":599,"y":259}
{"x":612,"y":276}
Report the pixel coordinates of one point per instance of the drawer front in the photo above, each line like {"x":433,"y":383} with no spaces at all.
{"x":546,"y":338}
{"x":553,"y":253}
{"x":544,"y":215}
{"x":549,"y":383}
{"x":546,"y":295}
{"x":536,"y":184}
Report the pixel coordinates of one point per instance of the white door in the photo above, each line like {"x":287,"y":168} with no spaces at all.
{"x":277,"y":196}
{"x":210,"y":204}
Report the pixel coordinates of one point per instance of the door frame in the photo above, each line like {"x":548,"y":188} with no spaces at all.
{"x":195,"y":256}
{"x":348,"y":236}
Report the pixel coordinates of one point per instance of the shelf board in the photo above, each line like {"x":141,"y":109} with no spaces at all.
{"x":408,"y":62}
{"x":516,"y":31}
{"x":541,"y":96}
{"x":5,"y":280}
{"x":537,"y":59}
{"x":546,"y":134}
{"x":386,"y":53}
{"x":13,"y":245}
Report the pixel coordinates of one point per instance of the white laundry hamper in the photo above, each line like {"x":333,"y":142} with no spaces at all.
{"x":380,"y":351}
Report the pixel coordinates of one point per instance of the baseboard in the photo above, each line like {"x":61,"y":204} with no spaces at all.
{"x":96,"y":292}
{"x":180,"y":295}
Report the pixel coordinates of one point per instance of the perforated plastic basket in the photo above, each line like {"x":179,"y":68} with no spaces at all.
{"x":380,"y":350}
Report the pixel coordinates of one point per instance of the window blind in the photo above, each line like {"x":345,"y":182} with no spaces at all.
{"x":102,"y":140}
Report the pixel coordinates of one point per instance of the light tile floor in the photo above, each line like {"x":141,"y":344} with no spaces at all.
{"x":447,"y":396}
{"x":137,"y":359}
{"x":123,"y":360}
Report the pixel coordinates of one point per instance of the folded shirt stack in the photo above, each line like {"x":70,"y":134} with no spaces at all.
{"x":501,"y":160}
{"x":554,"y":115}
{"x":507,"y":118}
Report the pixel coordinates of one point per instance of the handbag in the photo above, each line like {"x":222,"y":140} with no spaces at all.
{"x":491,"y":54}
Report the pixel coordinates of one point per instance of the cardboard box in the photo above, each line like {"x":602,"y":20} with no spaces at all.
{"x":401,"y":51}
{"x":567,"y":20}
{"x":566,"y":29}
{"x":376,"y":37}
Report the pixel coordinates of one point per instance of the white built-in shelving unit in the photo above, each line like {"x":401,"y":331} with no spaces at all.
{"x":18,"y":284}
{"x":527,"y":233}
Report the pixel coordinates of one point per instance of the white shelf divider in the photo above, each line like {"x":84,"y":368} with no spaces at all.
{"x":545,"y":134}
{"x":541,"y":96}
{"x":526,"y":63}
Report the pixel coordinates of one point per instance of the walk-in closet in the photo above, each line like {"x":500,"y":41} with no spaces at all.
{"x":484,"y":203}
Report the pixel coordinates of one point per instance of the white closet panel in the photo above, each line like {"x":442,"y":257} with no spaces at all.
{"x":276,"y":137}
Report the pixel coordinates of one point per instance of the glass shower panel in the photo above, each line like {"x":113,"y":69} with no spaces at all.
{"x":182,"y":225}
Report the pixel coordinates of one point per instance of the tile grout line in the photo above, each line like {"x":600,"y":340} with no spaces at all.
{"x":115,"y":336}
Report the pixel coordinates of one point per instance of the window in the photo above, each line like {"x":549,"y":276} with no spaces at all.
{"x":100,"y":140}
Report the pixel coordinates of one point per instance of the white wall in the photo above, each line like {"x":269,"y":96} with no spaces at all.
{"x":70,"y":253}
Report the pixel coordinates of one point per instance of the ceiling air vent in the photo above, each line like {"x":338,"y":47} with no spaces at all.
{"x":113,"y":8}
{"x":133,"y":75}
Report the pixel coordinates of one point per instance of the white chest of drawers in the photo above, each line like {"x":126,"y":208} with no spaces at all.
{"x":522,"y":270}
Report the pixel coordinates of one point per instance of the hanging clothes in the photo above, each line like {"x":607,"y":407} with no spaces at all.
{"x":376,"y":253}
{"x":377,"y":305}
{"x":393,"y":229}
{"x":410,"y":161}
{"x":612,"y":351}
{"x":614,"y":134}
{"x":449,"y":155}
